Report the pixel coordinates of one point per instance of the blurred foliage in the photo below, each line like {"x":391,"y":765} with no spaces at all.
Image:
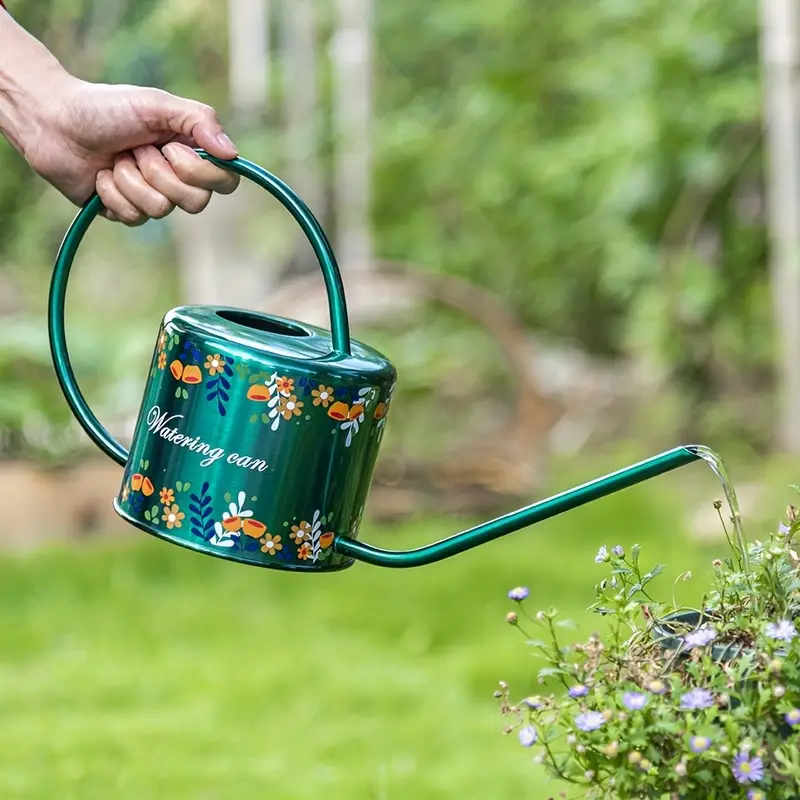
{"x":597,"y":166}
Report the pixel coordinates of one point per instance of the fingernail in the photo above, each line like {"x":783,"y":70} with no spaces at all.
{"x":225,"y":141}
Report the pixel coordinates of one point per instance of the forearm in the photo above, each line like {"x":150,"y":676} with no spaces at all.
{"x":29,"y":73}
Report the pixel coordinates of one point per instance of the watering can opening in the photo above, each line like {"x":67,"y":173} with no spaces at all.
{"x":257,"y":436}
{"x":262,"y":322}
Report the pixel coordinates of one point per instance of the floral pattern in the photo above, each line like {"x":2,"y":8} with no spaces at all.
{"x":346,"y":406}
{"x":188,"y":366}
{"x":285,"y":398}
{"x":235,"y":528}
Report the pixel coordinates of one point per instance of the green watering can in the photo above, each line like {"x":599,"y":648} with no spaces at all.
{"x":257,"y":435}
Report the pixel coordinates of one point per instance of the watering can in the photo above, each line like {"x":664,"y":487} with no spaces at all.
{"x":257,"y":436}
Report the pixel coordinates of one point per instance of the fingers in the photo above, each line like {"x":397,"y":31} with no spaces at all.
{"x":150,"y":184}
{"x":195,"y":171}
{"x":163,"y":112}
{"x":190,"y":192}
{"x":115,"y":201}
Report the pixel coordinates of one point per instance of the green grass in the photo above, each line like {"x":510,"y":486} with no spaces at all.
{"x":146,"y":671}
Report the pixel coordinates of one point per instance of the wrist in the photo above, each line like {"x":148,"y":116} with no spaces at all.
{"x":31,"y":80}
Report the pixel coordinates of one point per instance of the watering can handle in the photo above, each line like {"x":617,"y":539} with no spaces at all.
{"x":340,"y":328}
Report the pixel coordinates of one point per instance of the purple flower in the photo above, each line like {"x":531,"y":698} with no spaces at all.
{"x":528,"y":736}
{"x":590,"y":721}
{"x":634,"y":701}
{"x":747,"y":770}
{"x":783,"y":529}
{"x":602,"y":555}
{"x":618,"y":551}
{"x":699,"y":638}
{"x":578,"y":691}
{"x":784,"y":631}
{"x":793,"y":717}
{"x":534,"y":702}
{"x":699,"y":744}
{"x":696,"y":699}
{"x":519,"y":594}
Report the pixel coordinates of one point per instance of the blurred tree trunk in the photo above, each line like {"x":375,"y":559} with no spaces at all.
{"x":782,"y":111}
{"x":351,"y":56}
{"x":301,"y":107}
{"x":216,"y":264}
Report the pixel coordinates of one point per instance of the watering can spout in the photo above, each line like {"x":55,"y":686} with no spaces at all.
{"x":522,"y":518}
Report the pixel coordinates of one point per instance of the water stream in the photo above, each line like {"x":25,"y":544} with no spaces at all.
{"x":716,"y":463}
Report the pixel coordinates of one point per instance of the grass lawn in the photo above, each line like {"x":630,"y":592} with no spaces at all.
{"x":145,"y":671}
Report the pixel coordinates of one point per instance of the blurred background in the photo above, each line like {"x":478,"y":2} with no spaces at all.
{"x":573,"y":227}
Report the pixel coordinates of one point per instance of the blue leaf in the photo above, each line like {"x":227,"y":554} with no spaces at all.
{"x":252,"y":544}
{"x":187,"y":344}
{"x":224,"y":395}
{"x":206,"y":501}
{"x":206,"y":513}
{"x":194,"y":509}
{"x":211,"y":383}
{"x":194,"y":498}
{"x":341,"y":393}
{"x":221,"y":409}
{"x":204,"y":488}
{"x":228,"y":370}
{"x":224,"y":383}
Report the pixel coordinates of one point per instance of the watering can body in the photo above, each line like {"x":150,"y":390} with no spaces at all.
{"x":257,"y":436}
{"x":252,"y":441}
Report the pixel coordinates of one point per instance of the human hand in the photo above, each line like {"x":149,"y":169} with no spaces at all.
{"x":130,"y":144}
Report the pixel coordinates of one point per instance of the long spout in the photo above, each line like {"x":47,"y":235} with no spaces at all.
{"x":544,"y":509}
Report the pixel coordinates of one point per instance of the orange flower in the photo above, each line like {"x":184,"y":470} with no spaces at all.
{"x":323,"y":396}
{"x":162,"y":340}
{"x":173,"y":516}
{"x":162,"y":360}
{"x":326,"y":540}
{"x":285,"y":385}
{"x":167,"y":496}
{"x":291,"y":406}
{"x":304,"y":552}
{"x":300,"y":533}
{"x":270,"y":543}
{"x":215,"y":364}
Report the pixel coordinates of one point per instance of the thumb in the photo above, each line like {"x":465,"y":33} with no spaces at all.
{"x":192,"y":120}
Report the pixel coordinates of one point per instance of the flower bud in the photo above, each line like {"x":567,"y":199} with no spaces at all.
{"x":511,"y":618}
{"x":571,"y":739}
{"x":589,"y":774}
{"x":503,"y":685}
{"x":541,"y":616}
{"x":680,"y":768}
{"x":779,"y":691}
{"x":580,"y":748}
{"x":644,"y":765}
{"x":776,"y":665}
{"x":607,"y":715}
{"x":634,"y":757}
{"x":717,"y":562}
{"x":611,"y":749}
{"x":538,"y":758}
